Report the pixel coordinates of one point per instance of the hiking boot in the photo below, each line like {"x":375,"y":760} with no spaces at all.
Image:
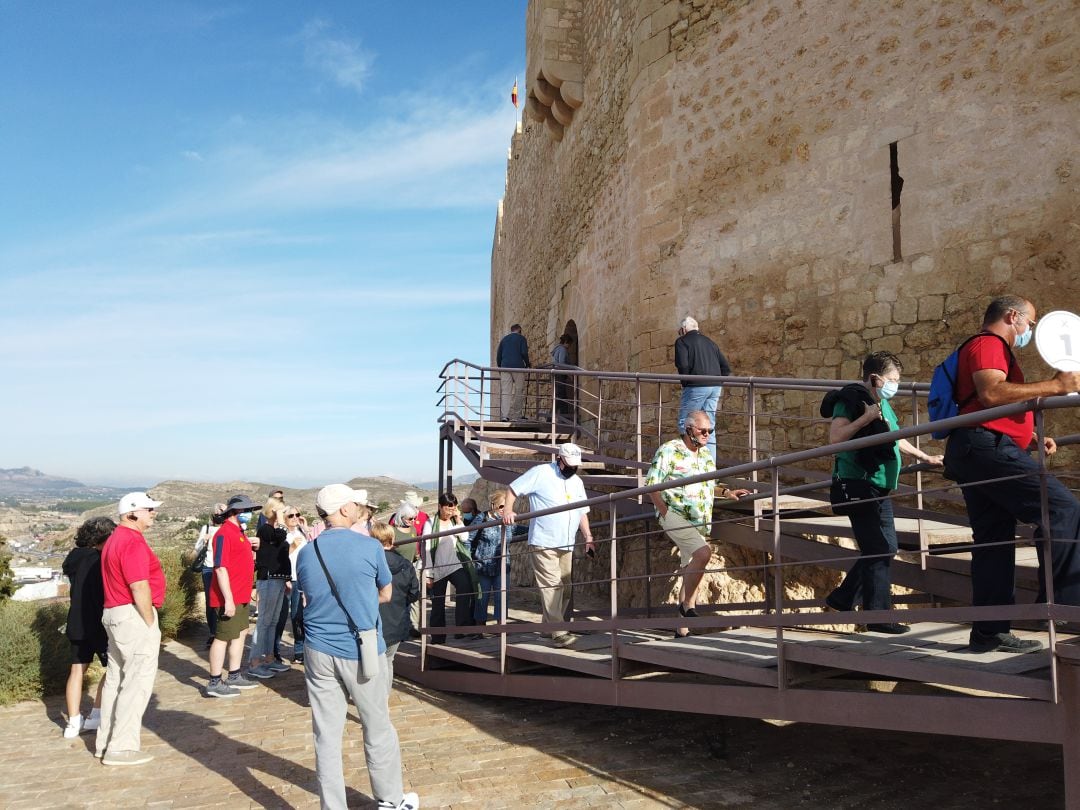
{"x":277,"y":666}
{"x":262,"y":672}
{"x":222,"y":690}
{"x":410,"y":801}
{"x":238,"y":681}
{"x":1001,"y":642}
{"x":125,"y":758}
{"x":74,"y":727}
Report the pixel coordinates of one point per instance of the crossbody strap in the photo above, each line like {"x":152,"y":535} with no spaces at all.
{"x":333,"y":589}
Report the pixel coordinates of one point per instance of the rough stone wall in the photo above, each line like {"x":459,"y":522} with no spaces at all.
{"x":731,"y":160}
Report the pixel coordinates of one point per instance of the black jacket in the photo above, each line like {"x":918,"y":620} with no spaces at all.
{"x":697,"y":354}
{"x":854,"y":396}
{"x":82,"y":567}
{"x":272,"y":558}
{"x":395,"y":613}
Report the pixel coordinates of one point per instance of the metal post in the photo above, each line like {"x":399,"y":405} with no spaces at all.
{"x":613,"y":574}
{"x":599,"y":414}
{"x":449,"y":465}
{"x":923,"y":545}
{"x":554,"y":403}
{"x":778,"y":585}
{"x":637,"y":436}
{"x":1069,"y":684}
{"x":504,"y":563}
{"x":1047,"y":544}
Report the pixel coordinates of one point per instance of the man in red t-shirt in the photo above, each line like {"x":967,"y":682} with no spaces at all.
{"x":230,"y":596}
{"x":134,"y":590}
{"x":989,"y":376}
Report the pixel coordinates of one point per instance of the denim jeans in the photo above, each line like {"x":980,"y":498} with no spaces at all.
{"x":977,"y":454}
{"x":868,"y":582}
{"x":271,"y":592}
{"x":701,"y":398}
{"x":296,"y":611}
{"x":211,"y":613}
{"x":490,"y":590}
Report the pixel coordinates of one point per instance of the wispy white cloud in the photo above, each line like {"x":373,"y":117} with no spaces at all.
{"x":192,"y":155}
{"x":338,"y":58}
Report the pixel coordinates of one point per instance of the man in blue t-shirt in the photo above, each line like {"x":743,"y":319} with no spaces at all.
{"x":332,"y":666}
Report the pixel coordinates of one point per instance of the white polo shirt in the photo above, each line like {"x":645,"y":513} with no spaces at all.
{"x":546,"y":488}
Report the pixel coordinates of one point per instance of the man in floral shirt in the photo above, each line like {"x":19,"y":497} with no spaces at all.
{"x":685,"y":512}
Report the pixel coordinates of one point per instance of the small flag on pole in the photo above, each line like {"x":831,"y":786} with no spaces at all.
{"x":513,"y":95}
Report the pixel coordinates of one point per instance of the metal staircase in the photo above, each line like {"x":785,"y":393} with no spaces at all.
{"x":779,"y":656}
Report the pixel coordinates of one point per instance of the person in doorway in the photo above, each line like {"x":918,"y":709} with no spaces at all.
{"x":560,"y":356}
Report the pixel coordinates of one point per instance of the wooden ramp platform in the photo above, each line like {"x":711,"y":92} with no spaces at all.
{"x":931,"y":653}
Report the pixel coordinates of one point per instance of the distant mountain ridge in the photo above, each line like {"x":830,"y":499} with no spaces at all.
{"x":27,"y":485}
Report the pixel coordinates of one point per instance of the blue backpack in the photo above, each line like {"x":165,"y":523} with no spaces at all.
{"x":941,"y":401}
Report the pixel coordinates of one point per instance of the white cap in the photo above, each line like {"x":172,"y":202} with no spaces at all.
{"x":134,"y":501}
{"x":570,"y":453}
{"x":334,"y":496}
{"x":414,"y":499}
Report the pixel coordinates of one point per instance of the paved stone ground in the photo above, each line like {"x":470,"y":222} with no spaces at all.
{"x":479,"y":752}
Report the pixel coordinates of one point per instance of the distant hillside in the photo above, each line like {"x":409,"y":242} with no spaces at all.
{"x":23,"y":486}
{"x":189,"y":500}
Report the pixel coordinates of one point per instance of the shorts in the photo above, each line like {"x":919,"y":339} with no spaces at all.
{"x":683,"y":534}
{"x":84,"y":650}
{"x":231,"y":628}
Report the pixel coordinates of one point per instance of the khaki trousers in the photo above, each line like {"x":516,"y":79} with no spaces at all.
{"x":552,"y":568}
{"x":511,"y":395}
{"x":129,"y":679}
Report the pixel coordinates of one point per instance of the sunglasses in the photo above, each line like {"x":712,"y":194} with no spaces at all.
{"x":702,"y":431}
{"x":293,"y":514}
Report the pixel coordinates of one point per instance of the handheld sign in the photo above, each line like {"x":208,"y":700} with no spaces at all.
{"x":1057,"y":337}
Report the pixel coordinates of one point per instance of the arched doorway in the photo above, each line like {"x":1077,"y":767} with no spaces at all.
{"x":571,"y":330}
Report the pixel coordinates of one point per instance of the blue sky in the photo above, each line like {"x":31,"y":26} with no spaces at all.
{"x":238,"y":241}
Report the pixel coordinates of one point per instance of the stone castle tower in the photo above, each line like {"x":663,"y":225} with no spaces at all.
{"x":811,"y":179}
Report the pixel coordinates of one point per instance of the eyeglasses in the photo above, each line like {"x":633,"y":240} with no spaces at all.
{"x":701,"y":430}
{"x":293,"y":514}
{"x":1025,"y":317}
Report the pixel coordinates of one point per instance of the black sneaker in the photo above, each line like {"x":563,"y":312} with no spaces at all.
{"x":892,"y":628}
{"x":1001,"y":642}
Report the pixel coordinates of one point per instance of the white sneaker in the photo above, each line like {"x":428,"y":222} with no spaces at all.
{"x":410,"y":801}
{"x":74,"y":727}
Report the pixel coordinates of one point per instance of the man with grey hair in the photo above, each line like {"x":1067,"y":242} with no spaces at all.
{"x":697,"y":355}
{"x":513,"y":353}
{"x":685,"y":513}
{"x":551,"y":537}
{"x":1002,"y":483}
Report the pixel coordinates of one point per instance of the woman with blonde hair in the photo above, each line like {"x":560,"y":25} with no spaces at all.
{"x":272,"y":572}
{"x":487,"y":551}
{"x":293,"y":604}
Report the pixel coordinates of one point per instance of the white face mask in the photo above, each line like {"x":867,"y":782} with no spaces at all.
{"x":889,"y":388}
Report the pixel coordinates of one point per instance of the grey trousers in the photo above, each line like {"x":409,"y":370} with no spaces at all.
{"x":331,"y":681}
{"x":129,"y":680}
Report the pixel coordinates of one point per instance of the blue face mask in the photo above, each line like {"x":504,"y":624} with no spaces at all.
{"x":468,"y":515}
{"x":244,"y":518}
{"x":1024,"y":339}
{"x":888,"y":389}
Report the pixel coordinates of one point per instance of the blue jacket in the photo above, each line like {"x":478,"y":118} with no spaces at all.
{"x":513,"y":351}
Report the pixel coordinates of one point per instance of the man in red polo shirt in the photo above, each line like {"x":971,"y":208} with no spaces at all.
{"x":230,"y":596}
{"x":989,"y":376}
{"x":134,"y":590}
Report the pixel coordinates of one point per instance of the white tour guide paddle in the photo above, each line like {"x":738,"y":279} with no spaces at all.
{"x":1057,"y":337}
